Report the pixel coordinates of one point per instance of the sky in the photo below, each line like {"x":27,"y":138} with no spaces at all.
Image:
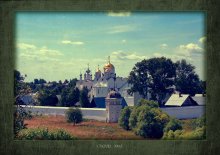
{"x":59,"y":45}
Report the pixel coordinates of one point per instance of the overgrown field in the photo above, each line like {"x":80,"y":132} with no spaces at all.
{"x":88,"y":129}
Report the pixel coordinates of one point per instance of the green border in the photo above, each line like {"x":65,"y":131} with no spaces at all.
{"x":7,"y":62}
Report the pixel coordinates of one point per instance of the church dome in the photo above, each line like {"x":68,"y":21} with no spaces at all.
{"x":113,"y":94}
{"x":109,"y":67}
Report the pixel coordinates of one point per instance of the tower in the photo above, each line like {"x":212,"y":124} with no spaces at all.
{"x":98,"y":74}
{"x":113,"y":103}
{"x":88,"y":75}
{"x":109,"y":69}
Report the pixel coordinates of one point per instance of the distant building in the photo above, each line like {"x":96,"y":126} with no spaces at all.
{"x":199,"y":99}
{"x":103,"y":83}
{"x":178,"y":100}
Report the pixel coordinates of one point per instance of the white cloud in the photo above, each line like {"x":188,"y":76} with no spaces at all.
{"x":124,"y":41}
{"x":189,"y":49}
{"x":25,"y":46}
{"x":32,"y":52}
{"x":202,"y":40}
{"x":127,"y":55}
{"x":72,"y":42}
{"x":119,"y":14}
{"x":163,"y":46}
{"x":121,"y":29}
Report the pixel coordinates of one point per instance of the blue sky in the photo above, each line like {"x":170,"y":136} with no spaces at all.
{"x":58,"y":45}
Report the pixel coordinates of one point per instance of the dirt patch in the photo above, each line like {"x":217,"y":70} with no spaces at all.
{"x":89,"y":129}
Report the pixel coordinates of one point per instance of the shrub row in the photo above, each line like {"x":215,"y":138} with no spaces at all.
{"x":44,"y":134}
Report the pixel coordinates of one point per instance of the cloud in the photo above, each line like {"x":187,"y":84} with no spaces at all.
{"x":25,"y":46}
{"x":72,"y":42}
{"x":119,"y":14}
{"x":37,"y":54}
{"x":189,"y":49}
{"x":127,"y":55}
{"x":124,"y":41}
{"x":163,"y":46}
{"x":121,"y":29}
{"x":202,"y":40}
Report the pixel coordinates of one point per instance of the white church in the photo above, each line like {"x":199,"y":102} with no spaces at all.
{"x":103,"y":83}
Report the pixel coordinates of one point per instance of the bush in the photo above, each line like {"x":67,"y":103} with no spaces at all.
{"x":74,"y":115}
{"x":151,"y":122}
{"x":124,"y":118}
{"x":44,"y":134}
{"x":19,"y":115}
{"x":151,"y":104}
{"x":174,"y":124}
{"x":197,"y":134}
{"x":133,"y":117}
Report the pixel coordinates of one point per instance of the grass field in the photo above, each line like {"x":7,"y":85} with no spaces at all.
{"x":88,"y":129}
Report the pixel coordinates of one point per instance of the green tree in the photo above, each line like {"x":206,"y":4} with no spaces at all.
{"x":21,"y":88}
{"x":84,"y":99}
{"x":151,"y":122}
{"x":74,"y":115}
{"x":174,"y":124}
{"x":154,"y":75}
{"x":70,"y":96}
{"x":187,"y":81}
{"x":124,"y":118}
{"x":46,"y":98}
{"x":147,"y":120}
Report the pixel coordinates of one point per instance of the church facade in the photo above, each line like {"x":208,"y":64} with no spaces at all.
{"x":104,"y":82}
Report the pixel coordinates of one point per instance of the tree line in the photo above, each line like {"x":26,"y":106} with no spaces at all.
{"x":155,"y":76}
{"x":48,"y":92}
{"x":159,"y":76}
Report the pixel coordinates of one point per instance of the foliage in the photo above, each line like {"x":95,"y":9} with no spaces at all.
{"x":19,"y":115}
{"x":187,"y":81}
{"x":74,"y":115}
{"x":19,"y":112}
{"x":84,"y":99}
{"x":151,"y":122}
{"x":173,"y":124}
{"x":198,"y":123}
{"x":47,"y":98}
{"x":154,"y":75}
{"x":70,"y":96}
{"x":124,"y":117}
{"x":147,"y":120}
{"x":151,"y":104}
{"x":44,"y":134}
{"x":197,"y":134}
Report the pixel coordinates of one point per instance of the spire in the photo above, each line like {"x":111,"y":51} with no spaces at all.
{"x":88,"y":66}
{"x":98,"y":67}
{"x":108,"y":59}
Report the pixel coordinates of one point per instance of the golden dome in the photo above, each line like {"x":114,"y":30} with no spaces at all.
{"x":109,"y":65}
{"x":98,"y":70}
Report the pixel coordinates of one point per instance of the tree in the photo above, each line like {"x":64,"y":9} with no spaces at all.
{"x":147,"y":120}
{"x":151,"y":122}
{"x":70,"y":96}
{"x":74,"y":115}
{"x":46,"y":98}
{"x":20,"y":113}
{"x":124,"y":118}
{"x":84,"y":99}
{"x":154,"y":75}
{"x":187,"y":81}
